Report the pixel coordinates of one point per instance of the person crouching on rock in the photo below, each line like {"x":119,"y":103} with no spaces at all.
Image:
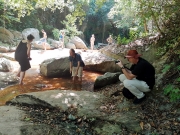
{"x":76,"y":65}
{"x":22,"y":55}
{"x":139,"y":79}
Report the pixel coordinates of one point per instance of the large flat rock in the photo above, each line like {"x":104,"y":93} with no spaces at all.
{"x":11,"y":123}
{"x":88,"y":104}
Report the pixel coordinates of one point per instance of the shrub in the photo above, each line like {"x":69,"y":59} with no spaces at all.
{"x":56,"y":33}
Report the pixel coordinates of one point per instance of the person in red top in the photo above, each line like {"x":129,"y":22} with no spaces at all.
{"x":138,"y":79}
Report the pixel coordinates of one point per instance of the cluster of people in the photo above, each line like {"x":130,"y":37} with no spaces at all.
{"x":92,"y":40}
{"x":22,"y":55}
{"x":44,"y":39}
{"x":137,"y":80}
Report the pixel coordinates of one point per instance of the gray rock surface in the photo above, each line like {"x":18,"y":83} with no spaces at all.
{"x":33,"y":31}
{"x":55,"y":67}
{"x":4,"y":48}
{"x":17,"y":34}
{"x":106,"y":79}
{"x":5,"y":65}
{"x":78,"y":43}
{"x":96,"y":61}
{"x":8,"y":77}
{"x":12,"y":123}
{"x":6,"y":36}
{"x":39,"y":45}
{"x":70,"y":46}
{"x":88,"y":104}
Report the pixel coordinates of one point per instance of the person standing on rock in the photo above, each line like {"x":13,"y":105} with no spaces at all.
{"x":110,"y":40}
{"x":22,"y":55}
{"x":43,"y":40}
{"x":92,"y":40}
{"x":76,"y":65}
{"x":61,"y":39}
{"x":138,"y":79}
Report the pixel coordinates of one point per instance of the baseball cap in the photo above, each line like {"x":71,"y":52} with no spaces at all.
{"x":132,"y":53}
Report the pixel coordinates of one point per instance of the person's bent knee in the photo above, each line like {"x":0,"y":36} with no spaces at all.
{"x":122,"y":77}
{"x":127,"y":83}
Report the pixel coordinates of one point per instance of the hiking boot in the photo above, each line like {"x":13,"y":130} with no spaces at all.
{"x":138,"y":101}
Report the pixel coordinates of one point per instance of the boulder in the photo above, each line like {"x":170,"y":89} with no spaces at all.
{"x":33,"y":31}
{"x":5,"y":65}
{"x":17,"y":34}
{"x":56,"y":44}
{"x":106,"y":79}
{"x":6,"y":32}
{"x":70,"y":46}
{"x":38,"y":45}
{"x":6,"y":36}
{"x":8,"y":77}
{"x":96,"y":61}
{"x":78,"y":43}
{"x":55,"y":67}
{"x":4,"y":49}
{"x":89,"y":105}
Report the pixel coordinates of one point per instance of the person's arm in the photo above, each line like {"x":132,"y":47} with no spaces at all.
{"x":78,"y":66}
{"x":70,"y":66}
{"x":28,"y":49}
{"x":126,"y":72}
{"x":107,"y":39}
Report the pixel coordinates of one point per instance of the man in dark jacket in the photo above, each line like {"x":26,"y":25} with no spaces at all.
{"x":139,"y":79}
{"x":76,"y":65}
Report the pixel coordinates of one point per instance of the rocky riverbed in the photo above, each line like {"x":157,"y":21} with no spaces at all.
{"x":104,"y":112}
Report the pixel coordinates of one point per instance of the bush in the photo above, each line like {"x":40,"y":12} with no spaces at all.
{"x":119,"y":40}
{"x":134,"y":34}
{"x":56,"y":33}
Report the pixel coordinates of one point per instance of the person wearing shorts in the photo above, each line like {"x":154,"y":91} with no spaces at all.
{"x":76,"y":65}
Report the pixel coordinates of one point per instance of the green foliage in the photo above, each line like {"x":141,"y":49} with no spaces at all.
{"x":56,"y":34}
{"x":167,"y":67}
{"x":173,"y":92}
{"x":119,"y":40}
{"x":161,"y":51}
{"x":125,"y":41}
{"x":134,"y":34}
{"x":6,"y":16}
{"x":122,"y":41}
{"x":70,"y":26}
{"x":178,"y":79}
{"x":48,"y":28}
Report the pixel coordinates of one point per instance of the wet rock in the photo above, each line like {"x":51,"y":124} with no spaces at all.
{"x":8,"y":77}
{"x":5,"y":65}
{"x":33,"y":31}
{"x":106,"y":79}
